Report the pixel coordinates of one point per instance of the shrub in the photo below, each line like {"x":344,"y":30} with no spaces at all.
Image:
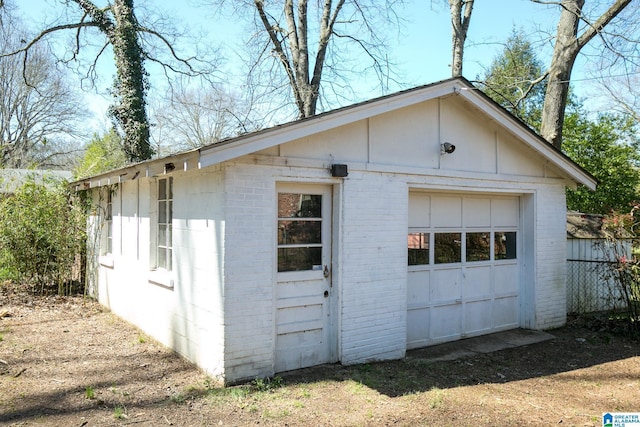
{"x":624,"y":269}
{"x":42,"y":235}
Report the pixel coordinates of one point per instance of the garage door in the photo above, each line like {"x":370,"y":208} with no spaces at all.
{"x":463,"y":267}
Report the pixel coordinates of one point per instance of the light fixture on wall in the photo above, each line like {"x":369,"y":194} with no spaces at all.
{"x":447,"y":148}
{"x":339,"y":171}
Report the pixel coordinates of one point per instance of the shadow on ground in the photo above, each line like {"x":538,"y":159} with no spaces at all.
{"x":455,"y":365}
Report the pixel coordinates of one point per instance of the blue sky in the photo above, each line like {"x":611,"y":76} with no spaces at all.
{"x":422,"y":53}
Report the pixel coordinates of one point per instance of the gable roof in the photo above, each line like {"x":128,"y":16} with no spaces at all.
{"x":250,"y":143}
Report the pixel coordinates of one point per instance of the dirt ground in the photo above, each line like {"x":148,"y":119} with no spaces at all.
{"x":68,"y":362}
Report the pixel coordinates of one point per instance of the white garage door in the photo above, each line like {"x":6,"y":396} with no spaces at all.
{"x":463,"y":266}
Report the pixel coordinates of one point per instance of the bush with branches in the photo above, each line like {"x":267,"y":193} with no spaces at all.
{"x":624,"y":267}
{"x":42,"y":237}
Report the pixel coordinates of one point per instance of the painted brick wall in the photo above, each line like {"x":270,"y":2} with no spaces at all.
{"x":373,"y":268}
{"x":249,"y":271}
{"x":550,"y":295}
{"x":187,"y":316}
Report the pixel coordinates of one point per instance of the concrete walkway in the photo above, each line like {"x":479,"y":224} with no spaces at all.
{"x":477,"y":345}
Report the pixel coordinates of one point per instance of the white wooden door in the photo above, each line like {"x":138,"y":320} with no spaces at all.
{"x":304,"y":296}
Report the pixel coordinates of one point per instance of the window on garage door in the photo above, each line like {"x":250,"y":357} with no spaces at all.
{"x":470,"y":230}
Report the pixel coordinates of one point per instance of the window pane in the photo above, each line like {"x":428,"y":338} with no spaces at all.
{"x":299,"y":205}
{"x":162,"y":235}
{"x":170,"y":188}
{"x":478,"y":246}
{"x":169,"y":211}
{"x":162,"y":189}
{"x":109,"y":214}
{"x":447,"y":247}
{"x":162,"y":257}
{"x":298,"y":259}
{"x":418,"y":248}
{"x":505,"y":245}
{"x":169,"y":258}
{"x":299,"y":232}
{"x":162,"y":212}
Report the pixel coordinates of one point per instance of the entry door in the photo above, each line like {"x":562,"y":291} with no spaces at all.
{"x":304,"y":296}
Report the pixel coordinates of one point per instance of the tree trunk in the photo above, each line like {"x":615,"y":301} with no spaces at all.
{"x":460,"y":20}
{"x":566,"y":49}
{"x":294,"y":56}
{"x":131,"y":111}
{"x":564,"y":55}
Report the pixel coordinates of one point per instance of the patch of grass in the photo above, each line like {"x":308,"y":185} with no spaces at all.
{"x":267,"y":384}
{"x":89,"y":392}
{"x":142,"y":338}
{"x":239,"y":393}
{"x":119,"y":412}
{"x":306,"y":393}
{"x":178,"y":398}
{"x":357,"y":387}
{"x":436,"y":398}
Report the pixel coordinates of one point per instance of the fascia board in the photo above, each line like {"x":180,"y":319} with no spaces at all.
{"x":241,"y":146}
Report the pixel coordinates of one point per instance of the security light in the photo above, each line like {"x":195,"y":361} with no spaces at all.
{"x":447,"y":148}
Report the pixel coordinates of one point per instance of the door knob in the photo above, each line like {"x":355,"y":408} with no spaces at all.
{"x":326,"y":294}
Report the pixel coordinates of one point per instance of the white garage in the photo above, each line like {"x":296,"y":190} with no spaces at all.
{"x":462,"y":266}
{"x":347,"y":237}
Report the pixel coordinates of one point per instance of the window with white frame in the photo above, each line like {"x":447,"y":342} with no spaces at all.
{"x":108,"y":223}
{"x":164,"y":247}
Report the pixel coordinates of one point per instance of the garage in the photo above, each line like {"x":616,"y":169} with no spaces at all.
{"x":348,"y":237}
{"x":463,"y":268}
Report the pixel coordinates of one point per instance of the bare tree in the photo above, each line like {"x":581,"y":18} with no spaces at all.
{"x":348,"y":41}
{"x":38,"y":109}
{"x":193,"y":116}
{"x":617,"y":70}
{"x":460,"y":20}
{"x":126,"y":36}
{"x":569,"y":42}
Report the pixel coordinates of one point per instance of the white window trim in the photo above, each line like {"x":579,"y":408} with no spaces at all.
{"x":157,"y":275}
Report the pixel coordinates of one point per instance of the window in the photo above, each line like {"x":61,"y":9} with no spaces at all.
{"x":165,"y":217}
{"x":418,"y":246}
{"x":478,"y":246}
{"x":447,"y":248}
{"x":108,"y":220}
{"x":504,"y":245}
{"x":299,"y":232}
